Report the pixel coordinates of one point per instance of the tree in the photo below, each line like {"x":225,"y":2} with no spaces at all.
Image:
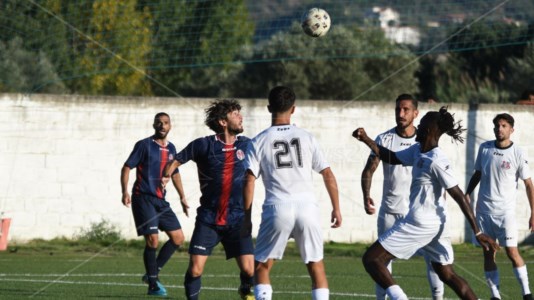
{"x":334,"y":74}
{"x":521,"y":74}
{"x":23,"y":71}
{"x":483,"y":50}
{"x":196,"y":44}
{"x":117,"y":44}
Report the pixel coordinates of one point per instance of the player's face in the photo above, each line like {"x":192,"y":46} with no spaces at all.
{"x":234,"y":122}
{"x":405,"y":113}
{"x":162,"y":126}
{"x":502,"y":130}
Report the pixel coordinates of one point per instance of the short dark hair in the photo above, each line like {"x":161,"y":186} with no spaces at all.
{"x":161,"y":114}
{"x":281,"y":99}
{"x":218,"y":110}
{"x":402,"y":97}
{"x":504,"y":116}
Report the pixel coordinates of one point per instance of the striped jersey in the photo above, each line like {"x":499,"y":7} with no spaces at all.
{"x":149,"y":158}
{"x":220,"y":172}
{"x":500,"y":169}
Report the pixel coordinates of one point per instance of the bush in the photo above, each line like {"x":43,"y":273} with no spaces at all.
{"x":103,"y":233}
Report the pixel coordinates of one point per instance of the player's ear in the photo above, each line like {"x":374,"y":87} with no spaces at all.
{"x":292,"y":109}
{"x":222,"y":122}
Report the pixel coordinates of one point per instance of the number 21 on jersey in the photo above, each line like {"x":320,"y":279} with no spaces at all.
{"x":283,"y":157}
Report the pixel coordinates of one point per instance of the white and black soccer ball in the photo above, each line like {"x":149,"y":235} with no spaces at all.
{"x":315,"y":22}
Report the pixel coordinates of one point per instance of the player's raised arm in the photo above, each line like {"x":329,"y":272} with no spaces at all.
{"x":382,"y":152}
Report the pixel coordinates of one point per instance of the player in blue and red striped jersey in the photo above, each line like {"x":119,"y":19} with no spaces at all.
{"x":220,"y":163}
{"x":150,"y":209}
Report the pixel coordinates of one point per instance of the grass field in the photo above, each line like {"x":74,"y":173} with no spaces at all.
{"x":70,"y":270}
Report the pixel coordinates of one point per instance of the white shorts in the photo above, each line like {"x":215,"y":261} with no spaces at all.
{"x":280,"y":222}
{"x":501,"y":228}
{"x":404,"y":240}
{"x":386,"y":220}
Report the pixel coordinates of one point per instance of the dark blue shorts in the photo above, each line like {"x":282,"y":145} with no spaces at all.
{"x":206,"y":237}
{"x":151,"y":213}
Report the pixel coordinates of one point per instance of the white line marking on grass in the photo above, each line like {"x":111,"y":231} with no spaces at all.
{"x":74,"y":269}
{"x":337,"y":294}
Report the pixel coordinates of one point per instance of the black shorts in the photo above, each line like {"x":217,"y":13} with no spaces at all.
{"x":206,"y":237}
{"x":151,"y":213}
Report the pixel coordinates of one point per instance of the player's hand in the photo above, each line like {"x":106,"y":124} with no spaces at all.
{"x":487,"y":242}
{"x":531,"y":222}
{"x":164,"y":181}
{"x":369,"y":205}
{"x":185,"y":207}
{"x":335,"y":220}
{"x":359,"y":134}
{"x":126,"y":200}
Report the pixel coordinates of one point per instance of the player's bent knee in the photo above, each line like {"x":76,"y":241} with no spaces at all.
{"x":369,"y":262}
{"x":195,"y":271}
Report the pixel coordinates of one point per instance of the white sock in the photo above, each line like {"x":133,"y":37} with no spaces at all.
{"x":396,"y":293}
{"x":380,"y":292}
{"x":522,"y":276}
{"x":320,"y":294}
{"x":493,"y":280}
{"x":263,"y":292}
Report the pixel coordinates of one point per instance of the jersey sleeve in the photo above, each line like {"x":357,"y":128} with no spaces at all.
{"x":251,"y":159}
{"x":524,"y":170}
{"x":192,"y":151}
{"x":443,"y":172}
{"x":407,"y":156}
{"x":136,"y":157}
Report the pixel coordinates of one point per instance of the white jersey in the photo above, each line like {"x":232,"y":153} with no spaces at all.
{"x":500,"y":169}
{"x":397,"y":178}
{"x":285,"y":156}
{"x":431,"y":175}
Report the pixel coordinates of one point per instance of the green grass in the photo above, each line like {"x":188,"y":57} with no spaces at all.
{"x":64,"y":269}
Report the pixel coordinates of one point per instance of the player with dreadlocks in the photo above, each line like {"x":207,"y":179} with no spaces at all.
{"x":423,"y":227}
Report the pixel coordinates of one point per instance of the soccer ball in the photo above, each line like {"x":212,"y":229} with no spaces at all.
{"x":315,"y":22}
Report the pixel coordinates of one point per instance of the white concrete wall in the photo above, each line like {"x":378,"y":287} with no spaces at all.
{"x":60,"y":157}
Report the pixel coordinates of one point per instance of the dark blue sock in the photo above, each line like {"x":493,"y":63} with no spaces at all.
{"x":246,"y":283}
{"x":151,"y":266}
{"x":192,"y":286}
{"x":165,"y":253}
